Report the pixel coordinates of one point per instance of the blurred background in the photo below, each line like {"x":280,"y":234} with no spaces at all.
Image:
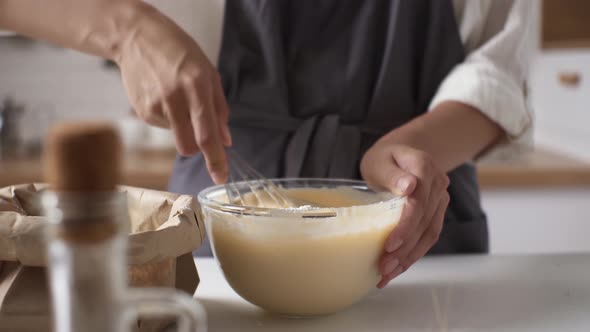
{"x":537,"y":201}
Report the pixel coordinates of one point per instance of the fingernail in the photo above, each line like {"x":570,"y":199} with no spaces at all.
{"x":390,"y":266}
{"x":402,"y":185}
{"x":393,"y":246}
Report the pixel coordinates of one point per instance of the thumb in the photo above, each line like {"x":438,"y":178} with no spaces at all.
{"x":400,"y":182}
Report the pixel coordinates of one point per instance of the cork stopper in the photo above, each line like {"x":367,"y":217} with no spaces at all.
{"x":83,"y":157}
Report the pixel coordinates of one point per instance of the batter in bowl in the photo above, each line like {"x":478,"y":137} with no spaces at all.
{"x":305,"y":266}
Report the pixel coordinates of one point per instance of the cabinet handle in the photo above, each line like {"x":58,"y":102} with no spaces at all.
{"x":570,"y":79}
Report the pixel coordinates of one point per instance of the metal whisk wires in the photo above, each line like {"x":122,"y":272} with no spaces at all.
{"x":264,"y":193}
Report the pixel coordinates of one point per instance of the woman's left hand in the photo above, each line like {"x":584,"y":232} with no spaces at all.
{"x":406,"y":171}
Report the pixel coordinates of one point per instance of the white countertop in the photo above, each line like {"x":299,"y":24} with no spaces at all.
{"x":445,"y":293}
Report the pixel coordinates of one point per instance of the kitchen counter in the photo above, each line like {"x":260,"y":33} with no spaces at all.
{"x":151,"y":169}
{"x":443,"y":293}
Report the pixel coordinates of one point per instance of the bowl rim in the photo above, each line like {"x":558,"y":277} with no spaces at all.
{"x":312,"y":213}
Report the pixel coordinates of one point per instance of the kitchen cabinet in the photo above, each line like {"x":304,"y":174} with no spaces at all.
{"x":551,"y":217}
{"x":551,"y":220}
{"x":562,"y":108}
{"x":537,"y":203}
{"x":559,"y":77}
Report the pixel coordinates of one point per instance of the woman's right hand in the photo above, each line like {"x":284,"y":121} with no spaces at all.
{"x":171,"y":84}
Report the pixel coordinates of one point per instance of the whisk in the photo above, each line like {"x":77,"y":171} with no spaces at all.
{"x":256,"y":183}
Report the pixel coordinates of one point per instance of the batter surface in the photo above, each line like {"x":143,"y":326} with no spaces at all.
{"x":299,"y":266}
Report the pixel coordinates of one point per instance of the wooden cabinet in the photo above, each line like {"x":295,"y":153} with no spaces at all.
{"x":565,"y":23}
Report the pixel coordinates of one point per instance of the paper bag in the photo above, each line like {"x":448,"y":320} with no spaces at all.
{"x":164,"y":230}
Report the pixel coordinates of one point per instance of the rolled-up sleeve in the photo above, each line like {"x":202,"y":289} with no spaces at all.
{"x":499,"y":40}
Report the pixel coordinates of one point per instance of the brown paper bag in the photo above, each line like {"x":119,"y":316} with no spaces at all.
{"x":164,"y":230}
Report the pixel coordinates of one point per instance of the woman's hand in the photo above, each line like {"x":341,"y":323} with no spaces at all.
{"x":406,"y":171}
{"x":171,"y":84}
{"x":169,"y":80}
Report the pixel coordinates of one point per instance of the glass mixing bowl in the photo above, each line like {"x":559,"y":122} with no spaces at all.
{"x":301,"y":261}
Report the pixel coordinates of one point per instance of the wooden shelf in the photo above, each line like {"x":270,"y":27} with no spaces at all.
{"x":564,"y":24}
{"x":146,"y":169}
{"x":565,"y":44}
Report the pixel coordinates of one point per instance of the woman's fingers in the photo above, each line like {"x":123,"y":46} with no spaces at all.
{"x":432,"y":233}
{"x":206,"y":128}
{"x":222,"y":111}
{"x":195,"y":112}
{"x":407,"y":232}
{"x":405,"y":236}
{"x":392,"y":269}
{"x":391,"y":266}
{"x":417,"y":217}
{"x":413,"y":173}
{"x":176,"y":108}
{"x":379,"y":169}
{"x":404,"y":245}
{"x":420,"y":166}
{"x":408,"y":254}
{"x":430,"y":185}
{"x":402,"y":234}
{"x":438,"y":189}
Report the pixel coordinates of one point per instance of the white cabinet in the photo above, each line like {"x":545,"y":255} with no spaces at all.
{"x":538,"y":221}
{"x":562,"y":111}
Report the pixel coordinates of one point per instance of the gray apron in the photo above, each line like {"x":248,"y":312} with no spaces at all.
{"x":312,"y":85}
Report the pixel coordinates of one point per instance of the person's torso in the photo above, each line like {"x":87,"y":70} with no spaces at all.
{"x":312,"y":85}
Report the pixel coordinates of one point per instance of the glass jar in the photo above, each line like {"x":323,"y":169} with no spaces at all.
{"x":87,"y":259}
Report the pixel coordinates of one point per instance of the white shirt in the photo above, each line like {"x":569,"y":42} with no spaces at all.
{"x":499,"y":40}
{"x":499,"y":37}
